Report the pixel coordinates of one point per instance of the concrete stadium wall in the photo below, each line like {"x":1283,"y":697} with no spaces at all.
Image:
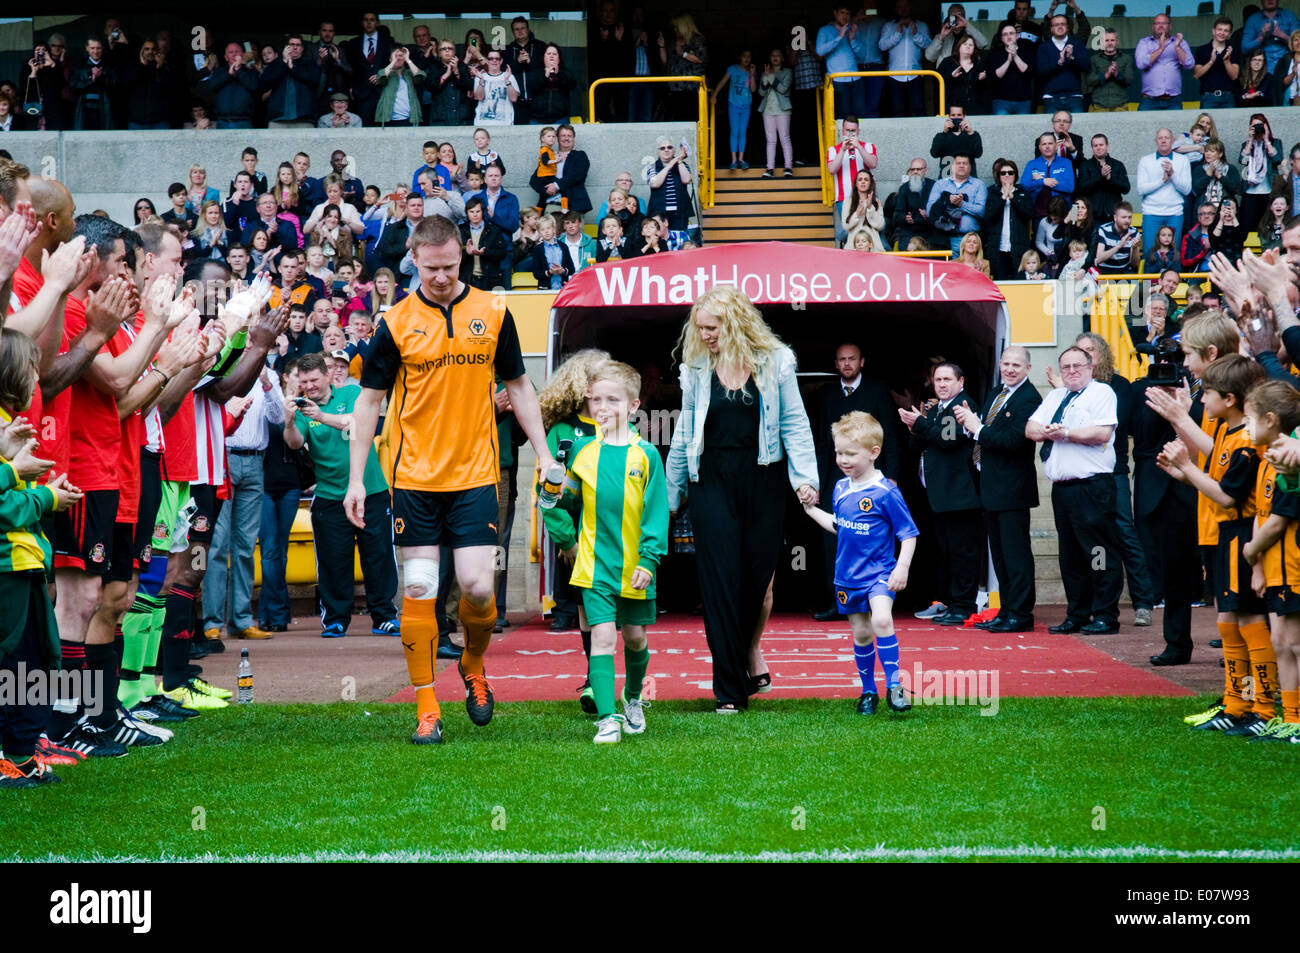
{"x":110,"y":170}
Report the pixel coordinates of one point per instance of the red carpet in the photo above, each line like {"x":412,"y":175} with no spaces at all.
{"x":815,"y":660}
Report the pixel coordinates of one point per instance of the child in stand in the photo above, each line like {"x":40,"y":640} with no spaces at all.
{"x":1227,"y":485}
{"x":1272,"y":411}
{"x":1163,"y":255}
{"x":29,"y":635}
{"x":861,"y":240}
{"x":568,"y":420}
{"x":1031,"y":267}
{"x":546,"y":170}
{"x":869,"y":514}
{"x":1076,"y":268}
{"x":622,"y":538}
{"x":610,"y":247}
{"x":527,"y":237}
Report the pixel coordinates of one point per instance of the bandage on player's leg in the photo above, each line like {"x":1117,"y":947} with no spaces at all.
{"x":420,"y":629}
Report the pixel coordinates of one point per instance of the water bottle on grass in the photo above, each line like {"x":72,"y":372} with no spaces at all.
{"x":245,"y":695}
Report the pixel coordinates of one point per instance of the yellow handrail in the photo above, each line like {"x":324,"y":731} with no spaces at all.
{"x":1109,"y":309}
{"x":826,"y":114}
{"x":946,"y":253}
{"x":703,"y":126}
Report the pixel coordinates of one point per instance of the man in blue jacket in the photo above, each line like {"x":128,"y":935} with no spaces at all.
{"x":1047,"y":175}
{"x":502,"y":211}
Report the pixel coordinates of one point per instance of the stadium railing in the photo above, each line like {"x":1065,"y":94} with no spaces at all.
{"x":704,"y":148}
{"x":826,"y":114}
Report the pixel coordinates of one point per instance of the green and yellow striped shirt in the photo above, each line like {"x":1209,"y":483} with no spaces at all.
{"x":624,"y":520}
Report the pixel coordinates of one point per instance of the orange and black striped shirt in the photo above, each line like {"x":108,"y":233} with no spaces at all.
{"x":1281,"y":561}
{"x":1233,"y":464}
{"x":441,"y":364}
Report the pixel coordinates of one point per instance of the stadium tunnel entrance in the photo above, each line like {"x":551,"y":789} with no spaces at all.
{"x":902,"y":312}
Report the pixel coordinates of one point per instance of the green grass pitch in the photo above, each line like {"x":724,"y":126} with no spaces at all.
{"x":1044,"y":778}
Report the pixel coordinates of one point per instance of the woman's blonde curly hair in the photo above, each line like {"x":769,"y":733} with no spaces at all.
{"x":565,"y":391}
{"x":745,"y":342}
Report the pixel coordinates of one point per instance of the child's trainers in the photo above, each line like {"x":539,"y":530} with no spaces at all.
{"x":868,"y":703}
{"x":897,"y":698}
{"x":29,"y":774}
{"x":633,"y":715}
{"x":609,"y":730}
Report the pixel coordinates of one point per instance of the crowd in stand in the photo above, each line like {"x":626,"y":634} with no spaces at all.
{"x":1064,"y":213}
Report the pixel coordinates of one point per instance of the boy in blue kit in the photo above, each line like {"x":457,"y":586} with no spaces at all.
{"x":621,"y":538}
{"x":869,"y":514}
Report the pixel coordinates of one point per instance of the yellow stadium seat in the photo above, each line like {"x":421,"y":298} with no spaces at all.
{"x":1137,"y":219}
{"x":590,"y":230}
{"x":523,"y":280}
{"x":1252,"y":241}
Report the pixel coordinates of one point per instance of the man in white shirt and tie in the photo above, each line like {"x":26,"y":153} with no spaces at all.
{"x":1076,"y":426}
{"x":228,"y":593}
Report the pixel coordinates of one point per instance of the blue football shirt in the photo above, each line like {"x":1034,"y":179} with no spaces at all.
{"x":868,"y":518}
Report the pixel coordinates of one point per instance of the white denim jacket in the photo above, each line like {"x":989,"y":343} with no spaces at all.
{"x":782,"y":423}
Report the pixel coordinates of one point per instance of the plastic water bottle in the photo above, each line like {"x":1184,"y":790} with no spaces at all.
{"x":552,"y":485}
{"x":245,"y":695}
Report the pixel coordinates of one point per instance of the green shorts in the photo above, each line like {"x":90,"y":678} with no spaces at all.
{"x":607,"y":607}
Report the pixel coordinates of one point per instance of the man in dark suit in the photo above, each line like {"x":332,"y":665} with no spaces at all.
{"x":849,"y":392}
{"x":1165,"y":510}
{"x":1008,"y":487}
{"x":948,"y":471}
{"x":280,"y":233}
{"x":571,"y":181}
{"x":367,"y":54}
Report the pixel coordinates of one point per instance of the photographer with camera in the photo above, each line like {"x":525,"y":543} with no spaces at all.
{"x":1261,"y":155}
{"x":955,"y":28}
{"x":957,"y":136}
{"x":321,"y":419}
{"x":957,"y":203}
{"x":43,"y":84}
{"x":1165,"y":405}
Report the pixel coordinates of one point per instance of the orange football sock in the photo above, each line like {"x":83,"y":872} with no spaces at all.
{"x":1291,"y":706}
{"x":420,"y":639}
{"x":1236,"y":666}
{"x":1263,"y":667}
{"x":478,"y":623}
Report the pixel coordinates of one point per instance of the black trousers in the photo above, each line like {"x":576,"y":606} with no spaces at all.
{"x":737,"y":508}
{"x":1013,"y":559}
{"x":1173,"y":525}
{"x":21,"y":724}
{"x":336,"y":542}
{"x":958,"y":535}
{"x":1092,"y":568}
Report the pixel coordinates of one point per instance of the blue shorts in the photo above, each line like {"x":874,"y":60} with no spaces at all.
{"x":849,"y":601}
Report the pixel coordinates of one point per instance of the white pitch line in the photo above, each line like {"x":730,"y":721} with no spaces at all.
{"x":647,"y":854}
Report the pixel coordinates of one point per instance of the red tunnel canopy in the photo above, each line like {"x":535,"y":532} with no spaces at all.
{"x":775,"y":273}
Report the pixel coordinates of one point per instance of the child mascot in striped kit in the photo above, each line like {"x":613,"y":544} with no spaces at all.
{"x":29,"y":636}
{"x":621,"y":537}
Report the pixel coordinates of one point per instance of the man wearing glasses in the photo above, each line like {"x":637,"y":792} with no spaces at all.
{"x":496,"y":91}
{"x":1076,"y":426}
{"x":448,"y":80}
